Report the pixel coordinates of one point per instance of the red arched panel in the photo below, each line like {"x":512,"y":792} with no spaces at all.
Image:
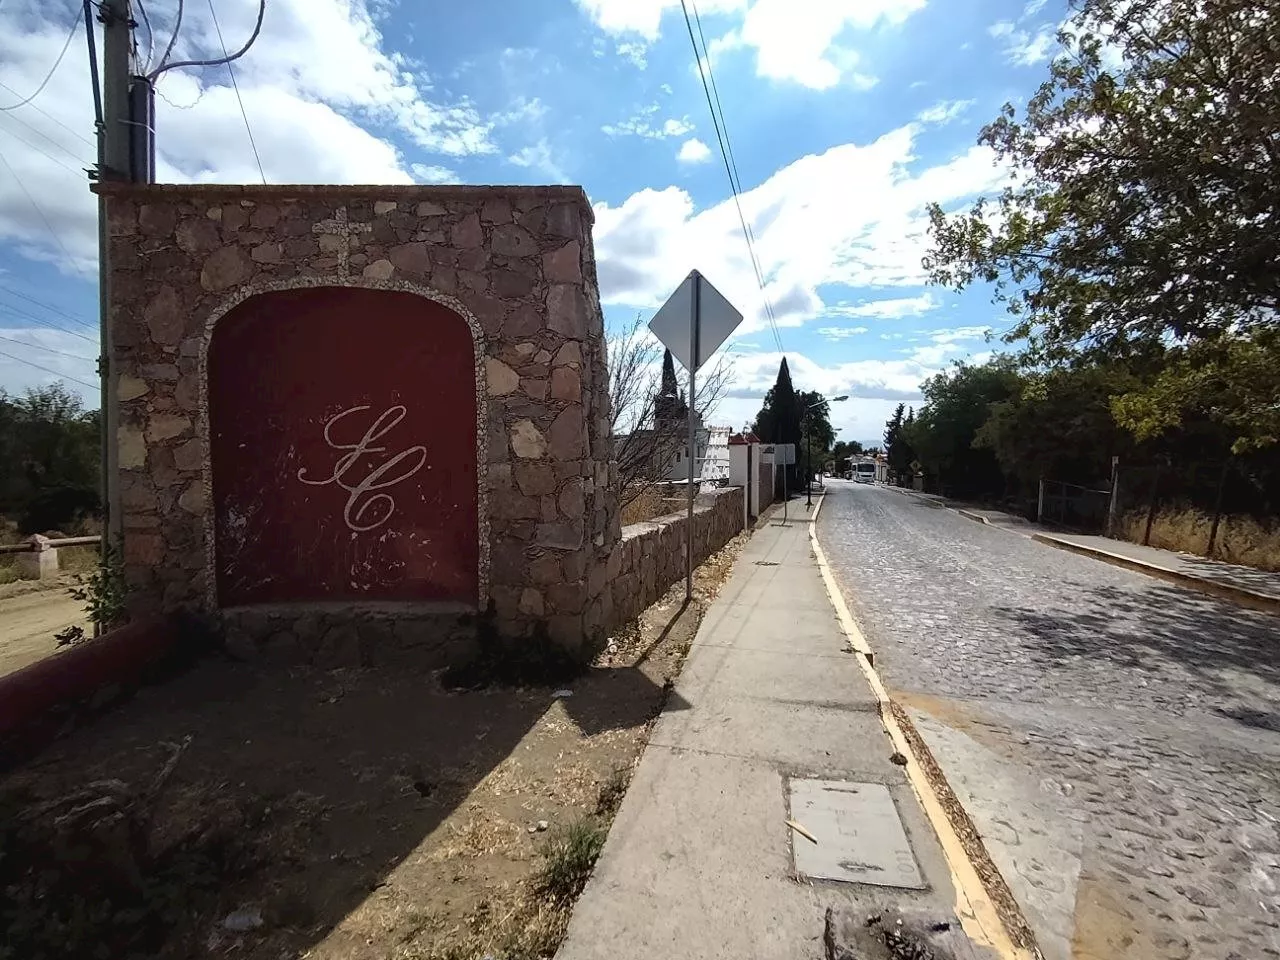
{"x":343,"y":444}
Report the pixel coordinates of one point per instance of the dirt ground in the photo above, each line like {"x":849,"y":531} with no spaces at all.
{"x":28,"y":620}
{"x":353,"y":814}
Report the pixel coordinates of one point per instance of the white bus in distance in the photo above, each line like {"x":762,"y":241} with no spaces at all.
{"x":865,"y":471}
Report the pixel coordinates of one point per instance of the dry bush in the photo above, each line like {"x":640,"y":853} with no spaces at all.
{"x":1241,"y":540}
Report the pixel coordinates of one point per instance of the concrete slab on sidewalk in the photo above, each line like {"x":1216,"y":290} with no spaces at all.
{"x":698,"y":863}
{"x":1255,"y":588}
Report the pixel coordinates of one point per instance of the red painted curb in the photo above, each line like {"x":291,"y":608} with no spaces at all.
{"x":121,"y":657}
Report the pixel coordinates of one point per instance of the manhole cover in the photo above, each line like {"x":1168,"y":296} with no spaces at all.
{"x":860,"y":837}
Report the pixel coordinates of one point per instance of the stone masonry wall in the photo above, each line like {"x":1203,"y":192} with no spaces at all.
{"x":515,"y":262}
{"x":650,"y":557}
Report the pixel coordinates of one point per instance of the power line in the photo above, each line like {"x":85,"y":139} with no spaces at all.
{"x":61,"y":353}
{"x":46,"y":323}
{"x":57,"y":373}
{"x":226,"y":57}
{"x":48,"y":306}
{"x":45,"y":153}
{"x":38,"y":109}
{"x":235,"y":86}
{"x":730,"y":167}
{"x":151,"y":36}
{"x":44,"y":136}
{"x":75,"y":23}
{"x":39,"y":212}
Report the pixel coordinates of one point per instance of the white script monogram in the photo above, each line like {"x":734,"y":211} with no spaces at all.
{"x":367,"y":509}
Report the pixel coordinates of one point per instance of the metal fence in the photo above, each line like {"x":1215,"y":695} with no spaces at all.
{"x":1073,"y":507}
{"x":1196,"y":507}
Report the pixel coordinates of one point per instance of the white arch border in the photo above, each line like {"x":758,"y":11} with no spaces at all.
{"x":251,"y":290}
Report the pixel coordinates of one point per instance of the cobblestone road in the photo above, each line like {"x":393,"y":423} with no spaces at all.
{"x":1151,"y":715}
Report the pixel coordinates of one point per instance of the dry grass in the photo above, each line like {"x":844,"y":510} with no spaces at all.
{"x":1241,"y":540}
{"x":437,"y":824}
{"x":658,"y":500}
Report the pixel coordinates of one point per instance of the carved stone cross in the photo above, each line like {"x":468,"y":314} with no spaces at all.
{"x":335,"y":237}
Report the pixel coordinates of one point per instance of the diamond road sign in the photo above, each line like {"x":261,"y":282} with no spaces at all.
{"x":717,"y":318}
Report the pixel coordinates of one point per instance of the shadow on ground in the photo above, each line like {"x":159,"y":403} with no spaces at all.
{"x":1156,"y":628}
{"x":297,"y":794}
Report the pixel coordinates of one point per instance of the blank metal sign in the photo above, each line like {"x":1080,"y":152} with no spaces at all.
{"x":860,"y":836}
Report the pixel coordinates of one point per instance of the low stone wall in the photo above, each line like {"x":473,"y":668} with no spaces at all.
{"x":650,"y":556}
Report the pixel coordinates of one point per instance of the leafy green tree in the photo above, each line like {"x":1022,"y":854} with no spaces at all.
{"x":1142,"y":208}
{"x":1228,"y":386}
{"x":897,"y":444}
{"x":957,"y":404}
{"x":49,"y":458}
{"x":844,"y":449}
{"x":1058,"y":424}
{"x":817,"y":434}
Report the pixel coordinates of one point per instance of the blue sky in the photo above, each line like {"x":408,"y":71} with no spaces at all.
{"x":846,"y":118}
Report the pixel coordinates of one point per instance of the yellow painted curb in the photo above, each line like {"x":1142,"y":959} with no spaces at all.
{"x":978,"y":916}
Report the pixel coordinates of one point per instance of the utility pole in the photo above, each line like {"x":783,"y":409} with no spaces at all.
{"x":114,"y":165}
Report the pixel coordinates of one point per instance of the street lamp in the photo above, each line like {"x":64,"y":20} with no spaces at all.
{"x":808,"y":480}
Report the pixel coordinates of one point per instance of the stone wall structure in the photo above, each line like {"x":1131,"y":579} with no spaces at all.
{"x":650,"y":557}
{"x":515,"y":263}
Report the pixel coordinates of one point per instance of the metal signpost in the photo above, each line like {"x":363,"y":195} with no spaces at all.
{"x":784,"y":454}
{"x":692,"y":324}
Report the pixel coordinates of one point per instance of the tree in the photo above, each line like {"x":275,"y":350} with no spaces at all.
{"x":779,"y":418}
{"x":957,"y":405}
{"x":49,"y":458}
{"x":1058,"y":424}
{"x":1142,"y":209}
{"x":844,"y":450}
{"x":897,"y":444}
{"x":649,"y":407}
{"x":817,"y":434}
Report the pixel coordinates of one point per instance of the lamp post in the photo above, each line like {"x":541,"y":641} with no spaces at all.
{"x":808,"y":481}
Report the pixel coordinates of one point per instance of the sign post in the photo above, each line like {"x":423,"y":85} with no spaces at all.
{"x":692,"y":324}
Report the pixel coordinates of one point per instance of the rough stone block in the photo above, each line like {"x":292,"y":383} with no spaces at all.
{"x":225,"y":268}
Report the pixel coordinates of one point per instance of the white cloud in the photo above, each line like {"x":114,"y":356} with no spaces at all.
{"x":644,"y":124}
{"x":947,"y":345}
{"x":944,"y":111}
{"x":539,"y":157}
{"x":959,"y":334}
{"x":1024,"y":47}
{"x":811,"y":226}
{"x":803,"y":42}
{"x":644,"y":17}
{"x":316,"y":78}
{"x":633,"y":51}
{"x":1033,"y":7}
{"x":840,"y":333}
{"x":425,"y":173}
{"x":891,"y":309}
{"x":798,"y":42}
{"x":874,"y":388}
{"x":694,"y":150}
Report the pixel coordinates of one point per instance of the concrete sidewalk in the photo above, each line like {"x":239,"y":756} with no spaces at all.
{"x":1245,"y":585}
{"x":699,"y":861}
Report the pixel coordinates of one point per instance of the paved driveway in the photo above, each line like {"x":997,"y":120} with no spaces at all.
{"x":1116,"y":739}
